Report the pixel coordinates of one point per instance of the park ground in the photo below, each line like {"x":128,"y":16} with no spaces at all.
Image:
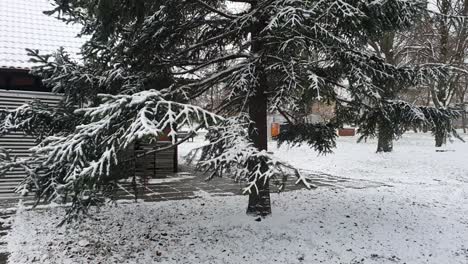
{"x":409,"y":206}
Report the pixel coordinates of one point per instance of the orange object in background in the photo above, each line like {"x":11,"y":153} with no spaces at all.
{"x":275,"y":129}
{"x":347,"y":132}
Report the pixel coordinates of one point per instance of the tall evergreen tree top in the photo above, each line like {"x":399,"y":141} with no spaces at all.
{"x":307,"y":47}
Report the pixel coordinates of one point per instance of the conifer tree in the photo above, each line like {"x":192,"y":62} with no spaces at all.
{"x":400,"y":49}
{"x":146,"y":61}
{"x":443,"y":38}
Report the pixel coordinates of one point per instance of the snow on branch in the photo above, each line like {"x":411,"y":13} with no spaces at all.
{"x":37,"y":119}
{"x":82,"y":159}
{"x":231,"y":153}
{"x":9,"y":162}
{"x":115,"y":124}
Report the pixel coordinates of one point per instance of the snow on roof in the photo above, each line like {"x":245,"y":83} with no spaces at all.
{"x":23,"y":25}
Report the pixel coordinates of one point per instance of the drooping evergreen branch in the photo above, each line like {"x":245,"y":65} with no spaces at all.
{"x":81,"y":161}
{"x":38,"y":119}
{"x":320,"y":137}
{"x":230,"y":153}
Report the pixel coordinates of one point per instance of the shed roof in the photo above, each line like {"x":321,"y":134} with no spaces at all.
{"x":23,"y":25}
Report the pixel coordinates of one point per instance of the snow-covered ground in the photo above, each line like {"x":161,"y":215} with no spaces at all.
{"x":421,"y":216}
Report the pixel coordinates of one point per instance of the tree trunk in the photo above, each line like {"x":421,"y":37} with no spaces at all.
{"x":259,"y":202}
{"x":464,"y":122}
{"x":440,"y":138}
{"x":385,"y":138}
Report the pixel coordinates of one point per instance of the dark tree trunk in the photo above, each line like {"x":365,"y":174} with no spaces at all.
{"x":259,"y":202}
{"x":440,"y":138}
{"x":385,"y":135}
{"x":385,"y":138}
{"x":464,"y":122}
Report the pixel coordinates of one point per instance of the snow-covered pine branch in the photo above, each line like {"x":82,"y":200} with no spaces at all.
{"x":81,"y":160}
{"x":9,"y":162}
{"x":231,"y":153}
{"x":37,"y":119}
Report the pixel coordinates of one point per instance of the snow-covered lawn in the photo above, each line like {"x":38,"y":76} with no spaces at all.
{"x":421,"y":217}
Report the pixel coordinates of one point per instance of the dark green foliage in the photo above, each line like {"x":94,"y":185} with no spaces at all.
{"x":320,"y":137}
{"x":400,"y":116}
{"x":231,"y":153}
